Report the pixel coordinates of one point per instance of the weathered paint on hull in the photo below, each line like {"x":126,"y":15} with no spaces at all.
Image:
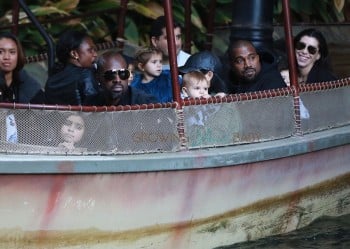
{"x":198,"y":208}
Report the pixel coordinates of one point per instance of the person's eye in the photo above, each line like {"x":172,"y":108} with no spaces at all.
{"x":238,"y":61}
{"x":252,"y":57}
{"x":67,"y":123}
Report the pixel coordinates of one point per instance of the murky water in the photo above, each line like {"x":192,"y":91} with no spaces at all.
{"x":323,"y":233}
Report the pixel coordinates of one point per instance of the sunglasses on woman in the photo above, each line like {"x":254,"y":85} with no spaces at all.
{"x":123,"y":74}
{"x":301,"y":46}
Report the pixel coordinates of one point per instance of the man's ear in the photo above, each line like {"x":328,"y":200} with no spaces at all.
{"x":154,"y":41}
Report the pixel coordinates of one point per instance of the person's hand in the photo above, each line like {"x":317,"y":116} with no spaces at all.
{"x":220,"y":94}
{"x":206,"y":96}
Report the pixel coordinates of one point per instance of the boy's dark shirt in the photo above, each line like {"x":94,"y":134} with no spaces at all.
{"x":136,"y":96}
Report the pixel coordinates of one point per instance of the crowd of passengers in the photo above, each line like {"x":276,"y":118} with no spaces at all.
{"x":82,"y":77}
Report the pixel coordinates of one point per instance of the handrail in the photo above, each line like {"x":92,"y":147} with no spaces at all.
{"x":172,"y":51}
{"x":188,"y":26}
{"x":42,"y":31}
{"x":121,"y":19}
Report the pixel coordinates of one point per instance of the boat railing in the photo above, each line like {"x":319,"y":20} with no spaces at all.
{"x":215,"y":122}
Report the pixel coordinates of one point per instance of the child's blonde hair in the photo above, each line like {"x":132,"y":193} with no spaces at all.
{"x":193,"y":78}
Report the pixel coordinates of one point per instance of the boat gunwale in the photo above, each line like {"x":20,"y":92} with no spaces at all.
{"x":183,"y":160}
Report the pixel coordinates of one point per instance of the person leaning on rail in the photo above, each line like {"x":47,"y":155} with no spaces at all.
{"x":73,"y":81}
{"x":250,"y":70}
{"x":311,"y":52}
{"x":210,"y":65}
{"x":113,"y":75}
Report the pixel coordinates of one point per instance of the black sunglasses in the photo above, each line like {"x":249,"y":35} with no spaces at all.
{"x":123,"y":74}
{"x":302,"y":45}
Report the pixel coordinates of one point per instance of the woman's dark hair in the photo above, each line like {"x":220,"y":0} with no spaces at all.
{"x":68,"y":41}
{"x":322,"y":44}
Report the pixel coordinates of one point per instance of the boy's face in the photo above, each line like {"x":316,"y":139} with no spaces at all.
{"x":153,"y":67}
{"x":197,"y":89}
{"x":162,"y":44}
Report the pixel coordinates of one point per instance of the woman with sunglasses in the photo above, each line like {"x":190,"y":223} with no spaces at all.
{"x":73,"y":81}
{"x":312,"y":58}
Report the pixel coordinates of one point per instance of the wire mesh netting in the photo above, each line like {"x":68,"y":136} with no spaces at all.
{"x":170,"y":129}
{"x":239,"y":122}
{"x":322,"y":110}
{"x":68,"y":132}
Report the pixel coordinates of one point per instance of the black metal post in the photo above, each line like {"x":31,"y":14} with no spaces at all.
{"x":253,"y":20}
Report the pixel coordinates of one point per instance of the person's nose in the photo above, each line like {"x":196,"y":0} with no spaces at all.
{"x":247,"y":63}
{"x":6,"y":55}
{"x":70,"y":128}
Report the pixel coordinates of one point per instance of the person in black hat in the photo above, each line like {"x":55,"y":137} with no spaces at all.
{"x":210,"y":65}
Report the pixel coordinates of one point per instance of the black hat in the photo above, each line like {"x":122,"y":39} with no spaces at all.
{"x":202,"y":61}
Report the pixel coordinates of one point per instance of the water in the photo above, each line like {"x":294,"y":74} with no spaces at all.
{"x":323,"y":233}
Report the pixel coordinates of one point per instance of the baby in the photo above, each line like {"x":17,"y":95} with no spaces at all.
{"x":195,"y":85}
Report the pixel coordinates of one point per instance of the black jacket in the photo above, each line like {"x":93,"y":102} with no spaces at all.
{"x":23,"y":91}
{"x":320,"y":74}
{"x":268,"y":78}
{"x":72,"y":86}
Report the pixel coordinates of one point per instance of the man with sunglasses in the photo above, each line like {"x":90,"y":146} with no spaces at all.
{"x":113,"y":75}
{"x":252,"y":71}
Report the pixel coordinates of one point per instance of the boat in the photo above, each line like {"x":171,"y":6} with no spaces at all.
{"x":196,"y":174}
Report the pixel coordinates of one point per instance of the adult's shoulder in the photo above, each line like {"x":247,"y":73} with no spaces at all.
{"x":29,"y":87}
{"x":319,"y":73}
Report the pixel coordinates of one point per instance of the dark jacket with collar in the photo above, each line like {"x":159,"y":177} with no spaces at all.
{"x":72,"y":86}
{"x":23,"y":91}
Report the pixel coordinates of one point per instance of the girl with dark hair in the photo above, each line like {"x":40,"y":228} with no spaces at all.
{"x":15,"y":84}
{"x":73,"y":81}
{"x":312,"y":58}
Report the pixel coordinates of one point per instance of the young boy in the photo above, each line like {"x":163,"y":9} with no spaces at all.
{"x":151,"y":78}
{"x":195,"y":85}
